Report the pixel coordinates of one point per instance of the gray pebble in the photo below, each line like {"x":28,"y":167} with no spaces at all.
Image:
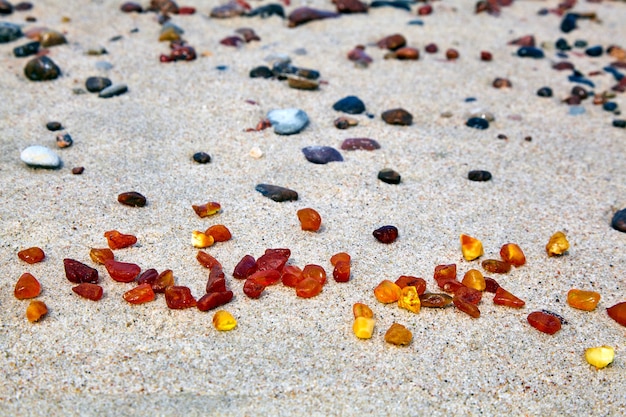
{"x":103,"y":65}
{"x":114,"y":90}
{"x":9,"y":32}
{"x":40,"y":157}
{"x":288,"y":121}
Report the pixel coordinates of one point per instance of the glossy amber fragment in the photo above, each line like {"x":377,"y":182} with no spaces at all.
{"x":78,"y":272}
{"x":618,"y":313}
{"x":468,"y":294}
{"x":557,"y":245}
{"x":265,"y":278}
{"x":245,"y":267}
{"x":252,"y":289}
{"x":505,"y":298}
{"x":340,"y":257}
{"x":474,"y":279}
{"x":36,"y":310}
{"x":466,"y":307}
{"x":410,"y":299}
{"x":219,"y":233}
{"x":142,"y":293}
{"x":208,"y":209}
{"x":387,"y":292}
{"x":314,"y":271}
{"x":273,"y":259}
{"x":362,"y":310}
{"x":217,"y":280}
{"x":201,"y":240}
{"x":207,"y":260}
{"x":600,"y":357}
{"x":409,"y":281}
{"x":224,"y":321}
{"x":27,"y":286}
{"x":310,"y":219}
{"x":148,"y":276}
{"x":398,"y":335}
{"x":132,"y":198}
{"x":496,"y":266}
{"x":117,"y":240}
{"x":433,"y":300}
{"x":213,"y":300}
{"x":179,"y":297}
{"x":491,"y":285}
{"x":512,"y":254}
{"x":341,"y":272}
{"x":164,"y":280}
{"x":291,"y":275}
{"x":90,"y":291}
{"x":122,"y":271}
{"x":444,"y":273}
{"x":471,"y":247}
{"x":583,"y":300}
{"x":363,"y":327}
{"x":31,"y":255}
{"x":308,"y":287}
{"x":386,"y":234}
{"x":100,"y":256}
{"x":544,"y":322}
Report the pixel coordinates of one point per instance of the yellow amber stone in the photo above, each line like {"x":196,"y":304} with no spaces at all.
{"x":387,"y":292}
{"x":201,"y":240}
{"x":472,"y":248}
{"x":36,"y":310}
{"x":398,"y":335}
{"x":363,"y":327}
{"x":224,"y":321}
{"x":557,"y":245}
{"x":474,"y":279}
{"x":410,"y":299}
{"x":583,"y":300}
{"x":600,"y":357}
{"x":362,"y":310}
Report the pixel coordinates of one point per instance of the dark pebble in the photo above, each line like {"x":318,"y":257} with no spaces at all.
{"x":350,"y":6}
{"x":397,"y":117}
{"x":479,"y":175}
{"x":78,"y":170}
{"x":616,"y":74}
{"x":9,"y":32}
{"x":54,"y":126}
{"x":23,"y":6}
{"x":562,"y":45}
{"x":569,"y":22}
{"x":354,"y":144}
{"x":113,"y":90}
{"x":416,"y":22}
{"x":64,"y":140}
{"x":305,"y":14}
{"x":530,"y":52}
{"x":477,"y":123}
{"x":594,"y":51}
{"x":132,"y":198}
{"x":6,"y":8}
{"x":350,"y":105}
{"x":573,"y":100}
{"x":261,"y":72}
{"x":581,"y":80}
{"x":405,"y":5}
{"x":580,"y":92}
{"x":502,"y":83}
{"x":277,"y":193}
{"x":619,"y":221}
{"x":266,"y":11}
{"x":130,"y":7}
{"x":609,"y":106}
{"x":619,"y":123}
{"x":321,"y":154}
{"x":544,"y":92}
{"x":452,"y":54}
{"x":31,"y":48}
{"x":486,"y":56}
{"x":221,"y":67}
{"x":389,"y":176}
{"x":502,"y":136}
{"x":41,"y":68}
{"x":431,"y":48}
{"x":563,"y":65}
{"x":202,"y":157}
{"x":392,"y":42}
{"x":97,"y":84}
{"x":469,"y":99}
{"x":386,"y":234}
{"x":580,"y":44}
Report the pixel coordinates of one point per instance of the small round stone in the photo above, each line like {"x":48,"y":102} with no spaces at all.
{"x":64,"y":140}
{"x":619,"y":123}
{"x":452,"y":54}
{"x":477,"y":123}
{"x":544,"y":92}
{"x":397,"y":116}
{"x":40,"y":157}
{"x":562,"y":45}
{"x":288,"y":121}
{"x":479,"y":175}
{"x":41,"y":68}
{"x":431,"y":48}
{"x":530,"y":52}
{"x":202,"y":157}
{"x":345,"y":122}
{"x":9,"y":32}
{"x":113,"y":90}
{"x":502,"y":83}
{"x":132,"y":198}
{"x":97,"y":84}
{"x":609,"y":106}
{"x":594,"y":51}
{"x":50,"y":38}
{"x":580,"y":92}
{"x":78,"y":170}
{"x":386,"y":234}
{"x":130,"y":7}
{"x":261,"y":72}
{"x":569,"y":22}
{"x":54,"y":126}
{"x":486,"y":56}
{"x":321,"y":154}
{"x":25,"y":50}
{"x":619,"y":221}
{"x":389,"y":176}
{"x":350,"y":105}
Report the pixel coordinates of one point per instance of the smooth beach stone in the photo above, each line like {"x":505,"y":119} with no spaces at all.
{"x":41,"y":68}
{"x":544,"y":92}
{"x":321,"y":154}
{"x":40,"y":157}
{"x":353,"y":144}
{"x":266,"y":11}
{"x":51,"y":38}
{"x":97,"y":84}
{"x":28,"y":49}
{"x":277,"y":193}
{"x":389,"y":176}
{"x":609,"y":106}
{"x":594,"y":51}
{"x":9,"y":32}
{"x":619,"y":123}
{"x":479,"y":175}
{"x":288,"y":121}
{"x":619,"y":221}
{"x":113,"y":90}
{"x":64,"y":140}
{"x":397,"y":116}
{"x":202,"y":157}
{"x":261,"y":72}
{"x":54,"y":126}
{"x":6,"y":8}
{"x":300,"y":83}
{"x":477,"y":123}
{"x":398,"y":4}
{"x":350,"y":105}
{"x":530,"y":52}
{"x":569,"y":22}
{"x":305,"y":14}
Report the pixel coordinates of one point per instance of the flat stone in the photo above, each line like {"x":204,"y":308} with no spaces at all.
{"x":288,"y":121}
{"x":353,"y":144}
{"x":261,"y":72}
{"x":300,"y":83}
{"x":345,"y":122}
{"x":132,"y":199}
{"x":97,"y":84}
{"x":41,"y":68}
{"x":350,"y":105}
{"x":25,"y":50}
{"x":40,"y":157}
{"x":477,"y":123}
{"x":202,"y":157}
{"x":321,"y":154}
{"x":113,"y":90}
{"x":9,"y":32}
{"x":619,"y":221}
{"x":479,"y":175}
{"x":397,"y":117}
{"x":389,"y":176}
{"x":277,"y":193}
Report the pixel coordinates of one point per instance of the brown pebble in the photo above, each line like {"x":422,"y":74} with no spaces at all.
{"x":452,"y":54}
{"x":580,"y":92}
{"x":304,"y":15}
{"x":397,"y":116}
{"x":54,"y":126}
{"x":232,"y":41}
{"x":64,"y":140}
{"x":485,"y":56}
{"x":359,"y":56}
{"x":350,"y":6}
{"x":392,"y":42}
{"x":130,"y":7}
{"x":248,"y":34}
{"x":502,"y":83}
{"x":78,"y":170}
{"x":528,"y":40}
{"x":425,"y":10}
{"x":502,"y":137}
{"x":132,"y":198}
{"x":345,"y":122}
{"x":431,"y":48}
{"x":528,"y":139}
{"x":300,"y":83}
{"x":407,"y":53}
{"x":573,"y":100}
{"x":563,"y":65}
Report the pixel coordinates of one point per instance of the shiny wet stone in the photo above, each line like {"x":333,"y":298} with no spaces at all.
{"x":202,"y":157}
{"x":277,"y":193}
{"x":479,"y":175}
{"x":389,"y":176}
{"x":41,"y":68}
{"x":477,"y":123}
{"x":28,"y":49}
{"x":97,"y":84}
{"x":261,"y":72}
{"x":619,"y":221}
{"x":397,"y":116}
{"x":9,"y":32}
{"x":350,"y":105}
{"x":113,"y":90}
{"x":321,"y":154}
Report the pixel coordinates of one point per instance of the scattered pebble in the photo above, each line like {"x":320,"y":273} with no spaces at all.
{"x":277,"y":193}
{"x":486,"y":56}
{"x":452,"y":54}
{"x":345,"y":122}
{"x":130,"y":7}
{"x":386,"y":234}
{"x":9,"y":32}
{"x":350,"y":105}
{"x":304,"y":15}
{"x":407,"y":53}
{"x":267,"y":11}
{"x":113,"y":90}
{"x":256,"y":153}
{"x":619,"y":221}
{"x":103,"y":66}
{"x":54,"y":126}
{"x":350,"y":6}
{"x":392,"y":42}
{"x":28,"y":49}
{"x":544,"y":92}
{"x":530,"y":52}
{"x":619,"y":123}
{"x":359,"y":57}
{"x":479,"y":175}
{"x":288,"y":121}
{"x":396,"y":4}
{"x":609,"y":106}
{"x":50,"y":38}
{"x":300,"y":83}
{"x":576,"y":110}
{"x":64,"y":140}
{"x":502,"y":83}
{"x":132,"y":198}
{"x":40,"y":157}
{"x":321,"y":154}
{"x":569,"y":22}
{"x":366,"y":144}
{"x":202,"y":157}
{"x":477,"y":123}
{"x":41,"y":68}
{"x":389,"y":176}
{"x":594,"y":51}
{"x":248,"y":34}
{"x":431,"y":48}
{"x":397,"y":116}
{"x":97,"y":84}
{"x":261,"y":72}
{"x":78,"y":170}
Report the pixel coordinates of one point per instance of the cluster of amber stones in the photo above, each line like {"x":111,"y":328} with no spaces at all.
{"x":27,"y":286}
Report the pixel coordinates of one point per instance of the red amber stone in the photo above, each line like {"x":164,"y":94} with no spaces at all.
{"x":466,"y":307}
{"x":213,"y":300}
{"x":245,"y":267}
{"x":386,"y":234}
{"x":117,"y":240}
{"x":219,"y":232}
{"x":445,"y":273}
{"x":27,"y":286}
{"x":308,"y":287}
{"x":316,"y":272}
{"x":148,"y":276}
{"x":491,"y":285}
{"x":291,"y":275}
{"x":544,"y":322}
{"x":142,"y":293}
{"x":31,"y":255}
{"x":265,"y":278}
{"x":341,"y":256}
{"x":164,"y":280}
{"x":207,"y":260}
{"x":100,"y":256}
{"x":505,"y":298}
{"x":273,"y":259}
{"x":78,"y":272}
{"x":409,"y":281}
{"x":252,"y":289}
{"x":341,"y":273}
{"x":217,"y":280}
{"x":496,"y":266}
{"x":468,"y":294}
{"x":90,"y":291}
{"x":122,"y":271}
{"x":310,"y":219}
{"x":179,"y":297}
{"x":618,"y":313}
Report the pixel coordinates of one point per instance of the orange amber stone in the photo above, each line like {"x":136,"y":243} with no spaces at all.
{"x":122,"y":271}
{"x":308,"y":287}
{"x":265,"y":278}
{"x":208,"y":209}
{"x":583,"y":300}
{"x":90,"y":291}
{"x":512,"y":254}
{"x":117,"y":240}
{"x":31,"y":255}
{"x":471,"y":247}
{"x":409,"y":281}
{"x":213,"y":300}
{"x":252,"y":289}
{"x":217,"y":280}
{"x":164,"y":280}
{"x":207,"y":260}
{"x":100,"y":256}
{"x":398,"y":335}
{"x":557,"y":245}
{"x":387,"y":292}
{"x":496,"y":266}
{"x":341,"y":273}
{"x":291,"y":275}
{"x":36,"y":310}
{"x":273,"y":259}
{"x":219,"y":232}
{"x":27,"y":286}
{"x":505,"y":298}
{"x":142,"y":293}
{"x":618,"y":313}
{"x":544,"y":322}
{"x":179,"y":297}
{"x":468,"y":294}
{"x":362,"y":310}
{"x":466,"y":307}
{"x":445,"y":273}
{"x":316,"y":272}
{"x":474,"y":279}
{"x":340,"y":257}
{"x":433,"y":300}
{"x":309,"y":219}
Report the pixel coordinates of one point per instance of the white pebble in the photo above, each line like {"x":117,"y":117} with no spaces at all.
{"x":40,"y":156}
{"x":256,"y":153}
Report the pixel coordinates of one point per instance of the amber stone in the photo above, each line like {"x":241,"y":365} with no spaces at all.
{"x":314,"y":271}
{"x":466,"y":307}
{"x":512,"y":254}
{"x":496,"y":266}
{"x":308,"y":287}
{"x":214,"y":299}
{"x":265,"y":278}
{"x":36,"y":310}
{"x":100,"y":256}
{"x":410,"y":281}
{"x":557,"y":245}
{"x":219,"y":232}
{"x":387,"y":292}
{"x":407,"y":53}
{"x":392,"y":42}
{"x":434,"y":300}
{"x":273,"y":259}
{"x":468,"y":294}
{"x":505,"y":298}
{"x":397,"y":117}
{"x":217,"y":280}
{"x":291,"y":275}
{"x":27,"y":286}
{"x":583,"y":300}
{"x":207,"y":260}
{"x":425,"y":10}
{"x":208,"y":209}
{"x":252,"y":288}
{"x":362,"y":310}
{"x":474,"y":279}
{"x":245,"y":267}
{"x":179,"y":297}
{"x":398,"y":335}
{"x":117,"y":240}
{"x":143,"y":293}
{"x":491,"y":285}
{"x":471,"y":247}
{"x":445,"y":273}
{"x":148,"y":276}
{"x":310,"y":219}
{"x":31,"y":255}
{"x":92,"y":292}
{"x":618,"y":312}
{"x":410,"y":299}
{"x":122,"y":271}
{"x":341,"y":272}
{"x":132,"y":198}
{"x":386,"y":234}
{"x":163,"y":281}
{"x":340,"y":257}
{"x":452,"y":54}
{"x":78,"y":272}
{"x":544,"y":322}
{"x":353,"y":144}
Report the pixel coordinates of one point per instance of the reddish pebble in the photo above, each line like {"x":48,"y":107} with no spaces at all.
{"x":505,"y":298}
{"x":291,"y":275}
{"x":392,"y":42}
{"x":308,"y":287}
{"x":245,"y":267}
{"x":386,"y":234}
{"x":485,"y":56}
{"x":89,"y":291}
{"x":232,"y":41}
{"x":410,"y":281}
{"x":27,"y":286}
{"x":31,"y":255}
{"x":359,"y":56}
{"x":273,"y":259}
{"x":341,"y":272}
{"x":148,"y":276}
{"x":130,"y":7}
{"x":452,"y":54}
{"x":407,"y":53}
{"x":213,"y":300}
{"x":163,"y":281}
{"x":338,"y":257}
{"x":366,"y":144}
{"x":78,"y":272}
{"x":207,"y":260}
{"x":618,"y":313}
{"x":179,"y":297}
{"x":117,"y":240}
{"x":431,"y":48}
{"x":466,"y":307}
{"x":265,"y":278}
{"x":544,"y":322}
{"x":132,"y":198}
{"x":491,"y":285}
{"x":219,"y":232}
{"x":425,"y":10}
{"x":310,"y":219}
{"x":78,"y":170}
{"x":142,"y":293}
{"x":122,"y":271}
{"x":216,"y":281}
{"x":186,"y":10}
{"x":314,"y":271}
{"x":253,"y":289}
{"x":496,"y":266}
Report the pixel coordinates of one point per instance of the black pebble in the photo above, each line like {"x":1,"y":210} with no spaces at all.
{"x":569,"y":22}
{"x":609,"y":106}
{"x":477,"y":123}
{"x":530,"y":52}
{"x":31,"y":48}
{"x":579,"y":43}
{"x":202,"y":157}
{"x":97,"y":84}
{"x":54,"y":126}
{"x":261,"y":72}
{"x":277,"y":193}
{"x":479,"y":175}
{"x":389,"y":176}
{"x":580,"y":92}
{"x":405,"y":5}
{"x":41,"y":68}
{"x":544,"y":92}
{"x":619,"y":221}
{"x":267,"y":11}
{"x":561,"y":45}
{"x":350,"y":105}
{"x":594,"y":51}
{"x":619,"y":123}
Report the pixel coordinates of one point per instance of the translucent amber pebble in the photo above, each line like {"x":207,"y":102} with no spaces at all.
{"x":217,"y":280}
{"x":362,"y":310}
{"x":224,"y":321}
{"x":253,"y":289}
{"x":433,"y":300}
{"x":291,"y":275}
{"x":265,"y":278}
{"x":245,"y":267}
{"x":164,"y":280}
{"x":557,"y":245}
{"x":213,"y":300}
{"x":78,"y":272}
{"x":117,"y":240}
{"x":309,"y":219}
{"x":90,"y":291}
{"x":491,"y":285}
{"x":341,"y":272}
{"x":122,"y":271}
{"x":544,"y":322}
{"x":142,"y":293}
{"x":179,"y":297}
{"x":308,"y":287}
{"x":363,"y":327}
{"x":386,"y":234}
{"x":148,"y":276}
{"x":468,"y":294}
{"x":340,"y":257}
{"x":471,"y":247}
{"x":618,"y":313}
{"x":444,"y":273}
{"x":387,"y":292}
{"x":466,"y":307}
{"x":583,"y":300}
{"x":505,"y":298}
{"x":207,"y":260}
{"x":410,"y":299}
{"x":31,"y":255}
{"x":474,"y":279}
{"x":512,"y":254}
{"x":100,"y":256}
{"x":409,"y":281}
{"x":27,"y":286}
{"x":273,"y":259}
{"x":398,"y":335}
{"x":208,"y":209}
{"x":219,"y":232}
{"x":496,"y":266}
{"x":36,"y":310}
{"x":201,"y":240}
{"x":600,"y":357}
{"x":316,"y":272}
